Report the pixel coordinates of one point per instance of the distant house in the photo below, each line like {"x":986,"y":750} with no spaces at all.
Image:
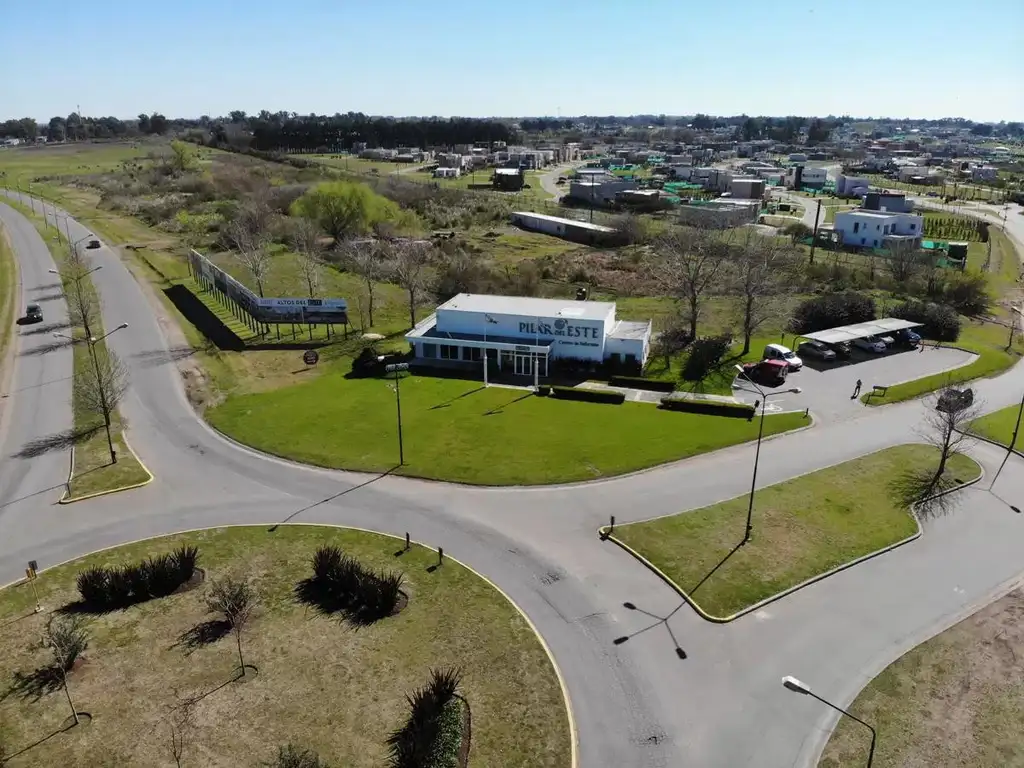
{"x":804,"y":177}
{"x":984,"y":173}
{"x":509,"y":179}
{"x":852,"y":186}
{"x":447,"y":173}
{"x":877,"y":229}
{"x":569,"y":229}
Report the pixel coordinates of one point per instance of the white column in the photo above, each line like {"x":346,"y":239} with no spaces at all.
{"x":485,"y":366}
{"x":536,"y":369}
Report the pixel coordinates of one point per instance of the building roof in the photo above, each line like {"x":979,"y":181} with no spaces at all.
{"x":529,"y":306}
{"x":630,"y":329}
{"x":869,"y":214}
{"x":861,"y":330}
{"x":567,"y":222}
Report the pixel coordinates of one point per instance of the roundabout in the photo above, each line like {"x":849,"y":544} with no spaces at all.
{"x":633,"y":704}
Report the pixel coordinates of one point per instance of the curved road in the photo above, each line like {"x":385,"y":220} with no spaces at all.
{"x":636,"y":703}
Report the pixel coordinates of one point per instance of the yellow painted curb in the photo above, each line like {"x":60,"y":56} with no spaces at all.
{"x":573,"y":734}
{"x":65,"y":499}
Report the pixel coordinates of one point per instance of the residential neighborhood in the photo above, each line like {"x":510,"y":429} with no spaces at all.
{"x":649,"y":396}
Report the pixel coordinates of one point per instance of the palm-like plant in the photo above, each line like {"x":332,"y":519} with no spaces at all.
{"x":326,"y":561}
{"x":418,"y":742}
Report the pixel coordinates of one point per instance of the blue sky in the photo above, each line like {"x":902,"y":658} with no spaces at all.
{"x":917,"y":58}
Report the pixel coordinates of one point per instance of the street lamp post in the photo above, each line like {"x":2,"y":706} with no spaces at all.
{"x":792,"y":684}
{"x":757,"y":452}
{"x":397,"y":368}
{"x":100,"y":385}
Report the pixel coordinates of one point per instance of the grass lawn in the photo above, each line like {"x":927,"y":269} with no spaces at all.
{"x":93,"y":471}
{"x":322,"y":684}
{"x":999,"y":426}
{"x":957,"y":699}
{"x":8,"y":293}
{"x":802,"y":527}
{"x":457,"y":430}
{"x":987,"y":340}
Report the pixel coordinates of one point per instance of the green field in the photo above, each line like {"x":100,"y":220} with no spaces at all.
{"x":457,"y":430}
{"x":1000,"y":426}
{"x":801,"y":528}
{"x":8,"y":295}
{"x":323,"y":684}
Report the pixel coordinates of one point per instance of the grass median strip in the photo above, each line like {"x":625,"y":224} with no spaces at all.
{"x":322,"y":685}
{"x":957,"y":699}
{"x":802,"y":528}
{"x":1000,"y":426}
{"x":92,"y":470}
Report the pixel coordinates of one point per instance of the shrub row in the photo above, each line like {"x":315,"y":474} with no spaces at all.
{"x":432,"y":735}
{"x":692,"y":403}
{"x":638,"y":382}
{"x":588,"y":395}
{"x":104,"y":588}
{"x":940,"y":322}
{"x":831,"y":310}
{"x":341,"y":583}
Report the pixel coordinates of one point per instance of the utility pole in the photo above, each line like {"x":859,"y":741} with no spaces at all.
{"x":1013,"y":442}
{"x":814,"y":236}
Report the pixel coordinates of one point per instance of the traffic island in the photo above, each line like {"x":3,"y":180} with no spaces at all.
{"x":803,"y":528}
{"x":326,"y":683}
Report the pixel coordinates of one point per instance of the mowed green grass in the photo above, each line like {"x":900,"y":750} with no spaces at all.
{"x":1000,"y":426}
{"x":802,"y":527}
{"x":8,"y":293}
{"x":322,"y":684}
{"x":458,"y":430}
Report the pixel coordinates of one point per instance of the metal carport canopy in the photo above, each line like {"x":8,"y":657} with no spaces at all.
{"x":861,"y":330}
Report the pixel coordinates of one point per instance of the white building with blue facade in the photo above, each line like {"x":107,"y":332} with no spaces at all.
{"x":522,"y":336}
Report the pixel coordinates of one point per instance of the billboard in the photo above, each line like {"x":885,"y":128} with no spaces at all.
{"x":272,"y":310}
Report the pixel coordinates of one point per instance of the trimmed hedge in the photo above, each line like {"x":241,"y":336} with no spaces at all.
{"x":639,"y":382}
{"x":589,"y":395}
{"x":691,"y":403}
{"x":832,"y":310}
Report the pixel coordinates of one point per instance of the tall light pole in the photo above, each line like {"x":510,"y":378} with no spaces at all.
{"x":397,"y":368}
{"x":757,"y":453}
{"x":792,"y":684}
{"x":100,"y":385}
{"x":1013,"y":442}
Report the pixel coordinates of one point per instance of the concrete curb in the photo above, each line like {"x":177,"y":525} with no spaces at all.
{"x":866,"y":397}
{"x":7,"y":361}
{"x":605,"y":533}
{"x":573,"y":733}
{"x":67,"y":499}
{"x":990,"y":441}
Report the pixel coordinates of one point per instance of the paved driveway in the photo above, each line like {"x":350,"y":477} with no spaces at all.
{"x":827,"y":387}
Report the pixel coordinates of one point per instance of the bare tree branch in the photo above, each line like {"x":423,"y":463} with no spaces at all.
{"x":236,"y":601}
{"x":757,"y":274}
{"x":409,"y":269}
{"x":904,"y":261}
{"x":101,"y":387}
{"x":369,"y":260}
{"x":687,"y":263}
{"x":182,"y":725}
{"x":249,"y":234}
{"x":307,"y":245}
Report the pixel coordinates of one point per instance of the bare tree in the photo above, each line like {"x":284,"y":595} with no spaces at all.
{"x":83,"y":304}
{"x":102,"y":388}
{"x":904,"y":260}
{"x":688,"y":264}
{"x":252,"y":252}
{"x":368,"y":260}
{"x":946,"y":428}
{"x":756,"y":274}
{"x":235,"y":600}
{"x":306,"y":242}
{"x":182,"y":725}
{"x":409,"y":268}
{"x":66,"y":639}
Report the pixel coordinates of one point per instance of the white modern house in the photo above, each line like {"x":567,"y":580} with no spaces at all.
{"x":802,"y":176}
{"x":877,"y":229}
{"x":851,"y":186}
{"x":522,"y":336}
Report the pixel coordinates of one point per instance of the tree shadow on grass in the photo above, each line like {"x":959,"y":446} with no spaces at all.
{"x":36,"y":684}
{"x":157,"y":357}
{"x":925,"y":494}
{"x":202,"y":634}
{"x":55,"y":442}
{"x":313,"y":593}
{"x":11,"y":755}
{"x":718,"y":378}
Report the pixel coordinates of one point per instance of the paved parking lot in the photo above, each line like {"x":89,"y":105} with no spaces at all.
{"x":828,"y":387}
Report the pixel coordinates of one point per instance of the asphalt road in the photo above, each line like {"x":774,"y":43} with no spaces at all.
{"x":635,"y":703}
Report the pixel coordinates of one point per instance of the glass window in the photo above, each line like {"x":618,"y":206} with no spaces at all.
{"x":429,"y":350}
{"x":449,"y":352}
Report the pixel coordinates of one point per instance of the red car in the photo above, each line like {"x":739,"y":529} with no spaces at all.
{"x":770,"y":373}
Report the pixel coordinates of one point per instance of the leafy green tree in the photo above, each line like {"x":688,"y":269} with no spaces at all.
{"x":344,"y":208}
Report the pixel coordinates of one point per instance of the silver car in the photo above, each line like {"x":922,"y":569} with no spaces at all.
{"x":871,"y":344}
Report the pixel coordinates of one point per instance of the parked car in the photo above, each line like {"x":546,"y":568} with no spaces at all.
{"x":93,"y":245}
{"x":770,"y":373}
{"x":888,"y":340}
{"x":818,"y":350}
{"x":779,"y":352}
{"x":907,"y":338}
{"x":871,"y":344}
{"x":842,"y":349}
{"x":34,"y":313}
{"x":952,"y":400}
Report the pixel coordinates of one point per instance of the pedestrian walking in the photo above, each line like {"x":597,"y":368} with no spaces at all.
{"x":856,"y":389}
